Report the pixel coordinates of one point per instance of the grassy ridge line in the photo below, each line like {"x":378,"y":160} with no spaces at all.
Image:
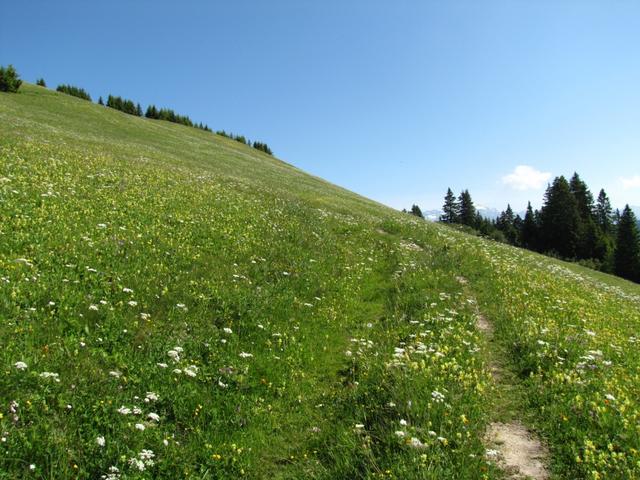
{"x":44,"y":115}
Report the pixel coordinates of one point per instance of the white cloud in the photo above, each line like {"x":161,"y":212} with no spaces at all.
{"x":525,"y":177}
{"x":631,"y":182}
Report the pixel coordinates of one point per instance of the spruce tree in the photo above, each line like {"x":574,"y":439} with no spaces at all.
{"x":415,"y":210}
{"x":560,"y":220}
{"x":100,"y":101}
{"x":529,"y":231}
{"x":450,"y":208}
{"x":9,"y":80}
{"x":41,"y":83}
{"x":467,"y":211}
{"x":604,"y":216}
{"x":627,"y":252}
{"x":138,"y":110}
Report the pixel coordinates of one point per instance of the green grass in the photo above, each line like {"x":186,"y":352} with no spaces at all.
{"x":322,"y":334}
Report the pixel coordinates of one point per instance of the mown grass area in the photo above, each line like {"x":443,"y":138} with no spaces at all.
{"x":176,"y":305}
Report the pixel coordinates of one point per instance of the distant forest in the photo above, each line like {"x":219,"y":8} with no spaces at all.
{"x":571,"y":225}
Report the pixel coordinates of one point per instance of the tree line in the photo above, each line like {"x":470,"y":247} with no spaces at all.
{"x":73,"y":91}
{"x":571,"y":225}
{"x":263,"y":147}
{"x":10,"y":82}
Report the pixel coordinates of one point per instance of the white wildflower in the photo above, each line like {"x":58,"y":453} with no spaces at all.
{"x":245,"y":355}
{"x":20,"y":365}
{"x":191,"y":371}
{"x":124,"y":410}
{"x":153,"y":416}
{"x":151,"y":397}
{"x":140,"y":427}
{"x":100,"y":441}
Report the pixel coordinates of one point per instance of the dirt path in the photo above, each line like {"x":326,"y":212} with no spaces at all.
{"x":510,"y":444}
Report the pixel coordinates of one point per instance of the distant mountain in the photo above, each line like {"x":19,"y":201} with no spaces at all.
{"x":486,"y":212}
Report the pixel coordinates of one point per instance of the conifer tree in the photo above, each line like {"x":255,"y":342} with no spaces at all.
{"x":560,"y":220}
{"x":449,"y":209}
{"x":100,"y":101}
{"x":603,"y":212}
{"x":138,"y":110}
{"x":627,"y":253}
{"x":506,"y":223}
{"x":467,"y":211}
{"x":415,"y":210}
{"x":9,"y":79}
{"x":529,"y":232}
{"x":41,"y":83}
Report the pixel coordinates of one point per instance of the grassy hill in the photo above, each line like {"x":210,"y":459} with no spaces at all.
{"x":174,"y":304}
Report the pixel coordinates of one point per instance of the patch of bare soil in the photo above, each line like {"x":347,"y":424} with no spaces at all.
{"x":517,"y":450}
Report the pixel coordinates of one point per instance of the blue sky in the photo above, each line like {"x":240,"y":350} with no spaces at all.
{"x":394,"y":100}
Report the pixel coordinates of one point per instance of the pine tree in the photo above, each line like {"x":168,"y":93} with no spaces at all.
{"x":100,"y":101}
{"x":9,"y":80}
{"x":604,"y":216}
{"x":415,"y":210}
{"x":467,"y":211}
{"x":529,"y":231}
{"x":40,"y":82}
{"x":506,"y":224}
{"x":138,"y":110}
{"x":560,"y":220}
{"x":450,"y":208}
{"x":627,"y":252}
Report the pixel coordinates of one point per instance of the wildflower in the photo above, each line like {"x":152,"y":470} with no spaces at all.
{"x":144,"y":316}
{"x":115,"y":373}
{"x":137,"y":410}
{"x":140,"y":427}
{"x":175,"y":356}
{"x":403,"y":422}
{"x":437,"y":396}
{"x":127,"y":290}
{"x":416,"y":443}
{"x":20,"y":365}
{"x":32,"y":467}
{"x":359,"y":425}
{"x":162,"y":365}
{"x":132,"y":303}
{"x":191,"y":371}
{"x":153,"y":416}
{"x":492,"y":453}
{"x":93,"y":307}
{"x":245,"y":355}
{"x":400,"y":433}
{"x":610,"y":397}
{"x":146,"y":454}
{"x":165,"y":442}
{"x":55,"y":376}
{"x":227,"y":330}
{"x":124,"y":410}
{"x":151,"y":397}
{"x":177,"y":371}
{"x":180,"y":305}
{"x":100,"y":441}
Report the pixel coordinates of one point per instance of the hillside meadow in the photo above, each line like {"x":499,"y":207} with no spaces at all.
{"x":174,"y":304}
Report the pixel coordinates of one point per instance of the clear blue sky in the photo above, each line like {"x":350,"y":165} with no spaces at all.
{"x":394,"y":100}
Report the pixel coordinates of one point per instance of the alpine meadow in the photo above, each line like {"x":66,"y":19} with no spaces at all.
{"x":177,"y":304}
